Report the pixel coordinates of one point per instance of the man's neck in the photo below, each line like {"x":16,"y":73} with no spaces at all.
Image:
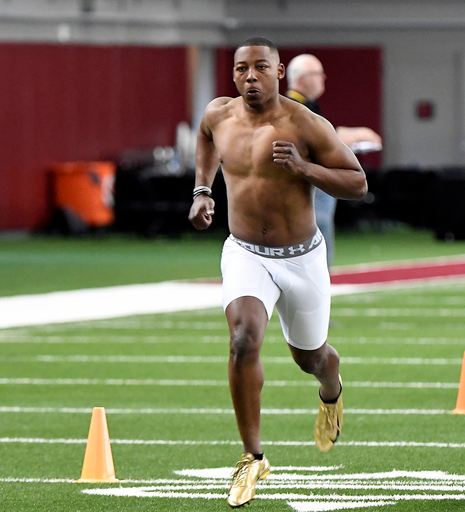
{"x":263,"y":109}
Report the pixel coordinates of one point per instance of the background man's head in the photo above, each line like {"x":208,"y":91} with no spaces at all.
{"x":305,"y":74}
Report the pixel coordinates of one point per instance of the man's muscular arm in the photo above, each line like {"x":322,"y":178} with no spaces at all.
{"x":206,"y":166}
{"x":334,"y":168}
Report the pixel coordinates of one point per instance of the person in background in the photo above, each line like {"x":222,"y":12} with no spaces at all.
{"x":273,"y":153}
{"x":306,"y":84}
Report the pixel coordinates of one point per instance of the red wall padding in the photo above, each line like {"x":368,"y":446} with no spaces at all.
{"x":71,"y":102}
{"x":353,"y":95}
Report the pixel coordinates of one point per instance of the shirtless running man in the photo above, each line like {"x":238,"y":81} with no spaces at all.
{"x":273,"y":152}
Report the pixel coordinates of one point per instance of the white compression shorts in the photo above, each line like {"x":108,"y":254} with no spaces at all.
{"x":295,"y":279}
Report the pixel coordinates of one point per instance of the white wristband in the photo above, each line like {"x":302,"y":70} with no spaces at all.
{"x":202,"y":190}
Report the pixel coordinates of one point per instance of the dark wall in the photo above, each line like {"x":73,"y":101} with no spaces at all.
{"x":72,"y":102}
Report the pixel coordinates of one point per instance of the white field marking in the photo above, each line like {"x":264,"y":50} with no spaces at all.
{"x":298,"y":468}
{"x":401,"y":360}
{"x":199,"y":484}
{"x":190,"y":339}
{"x":165,"y":442}
{"x":275,"y":412}
{"x":398,"y":326}
{"x":212,"y":474}
{"x":410,"y":285}
{"x":112,"y":382}
{"x":290,"y":474}
{"x":362,"y":340}
{"x":218,"y":383}
{"x":407,"y":289}
{"x":225,"y":474}
{"x":12,"y":337}
{"x":138,"y":324}
{"x":320,"y":485}
{"x":222,"y":359}
{"x":215,"y":474}
{"x":178,"y":324}
{"x":305,"y":479}
{"x":220,"y":478}
{"x":117,"y":359}
{"x":364,"y":267}
{"x":141,"y":299}
{"x":38,"y":480}
{"x":111,"y":302}
{"x":399,"y":312}
{"x":398,"y":485}
{"x":408,"y":300}
{"x":145,"y":324}
{"x":319,"y":506}
{"x":115,"y":301}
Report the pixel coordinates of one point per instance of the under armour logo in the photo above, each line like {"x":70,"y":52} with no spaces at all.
{"x":300,"y":248}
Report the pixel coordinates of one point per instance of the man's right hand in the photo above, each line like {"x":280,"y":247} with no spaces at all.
{"x":201,"y":211}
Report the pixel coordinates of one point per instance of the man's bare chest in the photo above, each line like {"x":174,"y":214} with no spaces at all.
{"x":243,"y":148}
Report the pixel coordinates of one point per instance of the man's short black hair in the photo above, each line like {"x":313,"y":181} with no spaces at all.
{"x":260,"y":41}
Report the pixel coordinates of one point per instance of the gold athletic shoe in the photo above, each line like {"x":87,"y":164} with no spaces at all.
{"x":248,"y":472}
{"x":328,"y":424}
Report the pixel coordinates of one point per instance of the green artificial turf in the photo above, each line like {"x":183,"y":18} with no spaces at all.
{"x":401,"y":353}
{"x":42,"y":264}
{"x":188,"y":402}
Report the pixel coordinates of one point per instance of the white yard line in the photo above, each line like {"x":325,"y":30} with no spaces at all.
{"x":167,"y":442}
{"x":137,"y":299}
{"x":222,"y":360}
{"x":400,"y":312}
{"x":217,"y":383}
{"x":9,"y":337}
{"x":414,"y":263}
{"x":112,"y":302}
{"x":201,"y":411}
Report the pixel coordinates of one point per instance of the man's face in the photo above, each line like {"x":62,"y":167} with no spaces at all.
{"x":256,"y":74}
{"x":312,"y":83}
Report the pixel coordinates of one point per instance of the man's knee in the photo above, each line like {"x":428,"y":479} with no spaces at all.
{"x":247,"y":322}
{"x":310,"y":363}
{"x":317,"y":361}
{"x":245,"y":344}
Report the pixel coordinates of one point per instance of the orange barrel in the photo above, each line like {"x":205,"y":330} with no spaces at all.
{"x":86,"y":189}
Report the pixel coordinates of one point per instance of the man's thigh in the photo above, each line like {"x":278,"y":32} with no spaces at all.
{"x":245,"y":276}
{"x":304,"y":306}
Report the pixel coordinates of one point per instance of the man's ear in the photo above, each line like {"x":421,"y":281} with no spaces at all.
{"x":281,"y":71}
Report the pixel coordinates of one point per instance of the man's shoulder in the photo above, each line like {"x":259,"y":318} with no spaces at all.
{"x":303,"y":121}
{"x":219,"y":108}
{"x":297,"y":110}
{"x":220,"y":103}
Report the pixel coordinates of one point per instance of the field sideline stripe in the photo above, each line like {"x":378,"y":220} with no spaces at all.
{"x":110,"y":302}
{"x":221,"y":359}
{"x":138,"y":299}
{"x":166,"y":442}
{"x":218,"y":383}
{"x":277,"y":412}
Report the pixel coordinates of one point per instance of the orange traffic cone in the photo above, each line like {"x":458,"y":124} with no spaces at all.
{"x":460,"y":407}
{"x":98,"y":461}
